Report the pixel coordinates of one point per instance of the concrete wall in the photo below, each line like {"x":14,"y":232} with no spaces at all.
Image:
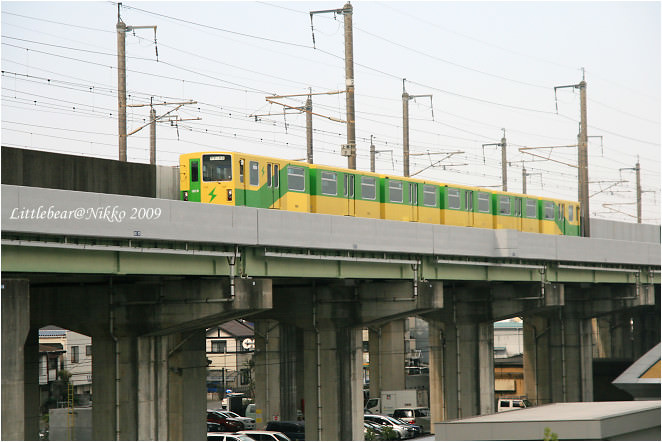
{"x":602,"y":228}
{"x":34,"y":168}
{"x":58,"y":424}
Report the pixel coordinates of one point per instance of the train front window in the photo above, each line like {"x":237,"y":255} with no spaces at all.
{"x":216,"y":168}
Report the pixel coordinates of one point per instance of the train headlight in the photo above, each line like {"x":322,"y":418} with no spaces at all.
{"x":185,"y":195}
{"x":229,"y":194}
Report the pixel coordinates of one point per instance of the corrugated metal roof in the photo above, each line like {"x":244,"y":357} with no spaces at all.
{"x":52,"y":332}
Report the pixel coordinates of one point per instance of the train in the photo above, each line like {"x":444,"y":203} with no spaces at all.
{"x":240,"y":179}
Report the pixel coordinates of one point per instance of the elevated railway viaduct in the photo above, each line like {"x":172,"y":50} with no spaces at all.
{"x":145,"y":287}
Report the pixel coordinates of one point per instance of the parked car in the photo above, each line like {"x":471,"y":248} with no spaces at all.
{"x":415,"y":416}
{"x":231,"y":425}
{"x":294,"y":430}
{"x":264,"y":435}
{"x":249,"y":424}
{"x":373,"y":431}
{"x":509,"y":404}
{"x":403,"y":431}
{"x":227,"y":436}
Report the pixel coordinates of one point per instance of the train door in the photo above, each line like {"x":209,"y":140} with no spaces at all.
{"x":350,"y":193}
{"x":273,"y":184}
{"x":517,"y":213}
{"x":469,"y":206}
{"x":240,"y":190}
{"x":413,"y":200}
{"x":194,"y":180}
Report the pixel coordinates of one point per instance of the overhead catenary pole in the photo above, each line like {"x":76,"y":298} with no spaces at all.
{"x":122,"y":29}
{"x":121,"y":85}
{"x":309,"y":129}
{"x":349,"y":81}
{"x":349,"y":149}
{"x":405,"y":126}
{"x":152,"y":135}
{"x":372,"y":155}
{"x":582,"y":158}
{"x":638,"y":171}
{"x":524,"y":180}
{"x":504,"y":161}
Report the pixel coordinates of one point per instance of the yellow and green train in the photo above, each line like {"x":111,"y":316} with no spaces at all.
{"x":240,"y":179}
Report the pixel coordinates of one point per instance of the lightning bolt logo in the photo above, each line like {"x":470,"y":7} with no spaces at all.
{"x":211,"y":194}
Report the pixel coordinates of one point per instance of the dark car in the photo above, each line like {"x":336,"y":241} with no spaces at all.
{"x":228,"y":424}
{"x":295,"y":430}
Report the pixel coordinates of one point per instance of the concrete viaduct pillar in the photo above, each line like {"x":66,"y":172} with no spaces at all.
{"x":148,"y":343}
{"x":330,"y":319}
{"x":387,"y":355}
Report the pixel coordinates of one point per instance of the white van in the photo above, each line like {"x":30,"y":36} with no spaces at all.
{"x":508,"y":404}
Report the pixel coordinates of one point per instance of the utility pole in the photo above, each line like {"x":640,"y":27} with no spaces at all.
{"x":504,"y":162}
{"x":524,"y":180}
{"x":582,"y":157}
{"x":405,"y":126}
{"x":122,"y":29}
{"x":348,"y":150}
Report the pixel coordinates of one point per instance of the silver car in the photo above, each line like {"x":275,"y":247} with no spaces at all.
{"x":402,"y":431}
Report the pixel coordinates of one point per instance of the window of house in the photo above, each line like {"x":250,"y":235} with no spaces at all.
{"x":429,"y":195}
{"x":245,"y":376}
{"x":368,"y":188}
{"x":329,"y":183}
{"x":254,"y":173}
{"x":88,"y":350}
{"x":296,"y":179}
{"x":504,"y":205}
{"x":75,"y":356}
{"x":483,"y":202}
{"x":454,"y":198}
{"x":395,"y":191}
{"x":218,"y":346}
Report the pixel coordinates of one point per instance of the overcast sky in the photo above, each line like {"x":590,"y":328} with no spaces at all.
{"x":488,"y":66}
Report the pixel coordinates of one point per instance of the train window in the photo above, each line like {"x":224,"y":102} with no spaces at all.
{"x":296,"y":179}
{"x":368,"y":188}
{"x":531,"y":208}
{"x":549,"y":210}
{"x":413,"y":194}
{"x":504,"y":205}
{"x":254,"y":172}
{"x":453,"y":198}
{"x":429,"y":195}
{"x":395,"y":191}
{"x":329,"y":183}
{"x":268,"y":175}
{"x":241,"y":171}
{"x":518,"y":207}
{"x":577,"y":212}
{"x":349,"y":186}
{"x":483,"y":202}
{"x":216,"y":168}
{"x":571,"y":211}
{"x":195,"y":174}
{"x":276,"y":178}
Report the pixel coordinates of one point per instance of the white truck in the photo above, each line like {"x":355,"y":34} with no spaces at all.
{"x":390,"y":400}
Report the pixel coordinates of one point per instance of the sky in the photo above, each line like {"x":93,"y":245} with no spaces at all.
{"x":491,"y":68}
